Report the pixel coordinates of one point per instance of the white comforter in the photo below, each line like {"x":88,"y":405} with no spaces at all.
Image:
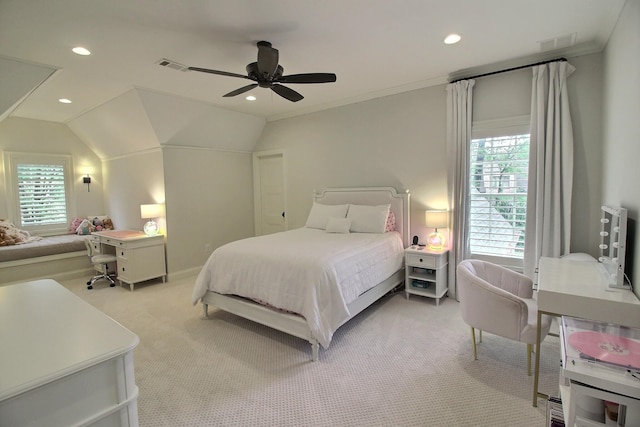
{"x":306,"y":271}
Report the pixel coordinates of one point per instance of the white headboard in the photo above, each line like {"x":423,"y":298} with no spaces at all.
{"x":372,"y":196}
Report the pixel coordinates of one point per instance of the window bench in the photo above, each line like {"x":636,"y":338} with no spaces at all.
{"x":54,"y":257}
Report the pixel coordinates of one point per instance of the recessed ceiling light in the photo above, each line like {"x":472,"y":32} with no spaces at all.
{"x":250,"y":98}
{"x":81,"y":51}
{"x":452,"y":38}
{"x":64,"y":100}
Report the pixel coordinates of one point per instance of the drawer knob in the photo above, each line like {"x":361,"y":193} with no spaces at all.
{"x":420,"y":259}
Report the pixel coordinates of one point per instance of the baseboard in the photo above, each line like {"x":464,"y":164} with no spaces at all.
{"x":183,"y":273}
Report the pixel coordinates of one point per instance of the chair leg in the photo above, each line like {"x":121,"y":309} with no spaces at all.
{"x":529,"y":351}
{"x":105,"y":275}
{"x":473,"y":340}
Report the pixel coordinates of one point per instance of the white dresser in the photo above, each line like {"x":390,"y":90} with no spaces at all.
{"x":62,"y":361}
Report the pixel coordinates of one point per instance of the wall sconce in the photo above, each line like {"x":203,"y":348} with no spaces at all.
{"x":87,"y":180}
{"x":151,"y":212}
{"x":435,"y":220}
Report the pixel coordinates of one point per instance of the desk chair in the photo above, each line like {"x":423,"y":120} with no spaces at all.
{"x":101,"y":260}
{"x":500,"y":301}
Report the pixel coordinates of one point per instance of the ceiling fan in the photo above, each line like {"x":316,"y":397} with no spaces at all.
{"x":266,"y":72}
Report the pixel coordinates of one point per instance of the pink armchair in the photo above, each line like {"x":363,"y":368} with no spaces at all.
{"x":500,"y":301}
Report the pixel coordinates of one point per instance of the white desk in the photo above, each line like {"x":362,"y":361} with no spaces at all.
{"x":63,"y":362}
{"x":140,"y":257}
{"x":578,"y":289}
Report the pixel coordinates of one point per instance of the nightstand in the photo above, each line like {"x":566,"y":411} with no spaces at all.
{"x":425,"y":272}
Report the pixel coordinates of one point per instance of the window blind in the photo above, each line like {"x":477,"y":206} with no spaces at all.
{"x":41,"y":193}
{"x":498,"y":195}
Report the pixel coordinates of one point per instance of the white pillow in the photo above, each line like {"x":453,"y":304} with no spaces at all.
{"x":320,"y":214}
{"x":368,"y":219}
{"x":338,"y":225}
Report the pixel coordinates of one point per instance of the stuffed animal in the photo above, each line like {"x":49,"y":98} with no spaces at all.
{"x":74,"y":225}
{"x":107,"y":224}
{"x":5,"y":240}
{"x":11,"y":235}
{"x":97,"y":223}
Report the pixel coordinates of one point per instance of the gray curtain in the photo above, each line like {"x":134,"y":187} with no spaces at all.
{"x":459,"y":109}
{"x":548,"y":226}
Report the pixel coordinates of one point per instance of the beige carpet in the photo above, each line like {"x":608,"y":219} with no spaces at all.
{"x":399,"y":363}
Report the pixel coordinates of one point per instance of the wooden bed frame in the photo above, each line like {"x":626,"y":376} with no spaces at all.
{"x":296,"y":325}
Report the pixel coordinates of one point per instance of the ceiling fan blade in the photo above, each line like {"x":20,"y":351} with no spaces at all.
{"x":241,"y":90}
{"x":287,"y":93}
{"x":222,"y":73}
{"x":308,"y":78}
{"x":267,"y":59}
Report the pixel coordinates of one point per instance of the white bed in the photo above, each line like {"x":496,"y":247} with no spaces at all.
{"x":327,"y":278}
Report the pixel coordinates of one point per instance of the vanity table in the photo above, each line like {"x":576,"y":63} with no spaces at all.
{"x":580,"y":289}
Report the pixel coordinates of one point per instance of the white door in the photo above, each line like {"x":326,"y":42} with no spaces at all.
{"x":268,"y":191}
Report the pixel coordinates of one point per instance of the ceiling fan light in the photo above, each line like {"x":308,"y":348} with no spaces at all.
{"x":250,"y":98}
{"x":452,"y":39}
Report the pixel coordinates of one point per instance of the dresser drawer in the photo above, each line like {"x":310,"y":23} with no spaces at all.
{"x":424,"y":261}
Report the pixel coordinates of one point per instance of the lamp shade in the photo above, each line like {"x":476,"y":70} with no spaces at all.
{"x":151,"y":211}
{"x":436,"y":219}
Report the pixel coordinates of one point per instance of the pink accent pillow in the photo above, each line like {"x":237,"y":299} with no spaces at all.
{"x":391,"y":222}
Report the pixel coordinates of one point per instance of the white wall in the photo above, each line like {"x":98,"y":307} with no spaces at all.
{"x":131,"y":181}
{"x":621,"y":136}
{"x":37,"y":136}
{"x":209,"y":203}
{"x":399,"y":141}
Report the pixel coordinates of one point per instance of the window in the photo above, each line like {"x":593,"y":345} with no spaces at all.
{"x":40,"y":191}
{"x":498,"y":171}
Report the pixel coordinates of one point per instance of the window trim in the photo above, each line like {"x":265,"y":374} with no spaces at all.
{"x":12,"y":160}
{"x":508,"y":126}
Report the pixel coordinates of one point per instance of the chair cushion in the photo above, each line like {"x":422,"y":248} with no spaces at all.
{"x":103,"y":259}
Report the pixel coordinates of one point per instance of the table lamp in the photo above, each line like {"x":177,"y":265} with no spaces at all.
{"x":151,"y":212}
{"x":435,"y":220}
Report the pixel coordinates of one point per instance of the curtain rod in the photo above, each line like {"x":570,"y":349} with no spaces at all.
{"x":510,"y":69}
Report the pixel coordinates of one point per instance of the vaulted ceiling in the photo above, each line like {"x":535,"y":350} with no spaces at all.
{"x":375,"y":48}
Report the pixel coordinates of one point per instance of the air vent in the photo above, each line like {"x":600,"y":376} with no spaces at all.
{"x":559,"y":42}
{"x":172,"y":64}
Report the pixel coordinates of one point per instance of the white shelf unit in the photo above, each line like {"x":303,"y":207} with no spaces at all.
{"x":425,"y":272}
{"x":585,"y":385}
